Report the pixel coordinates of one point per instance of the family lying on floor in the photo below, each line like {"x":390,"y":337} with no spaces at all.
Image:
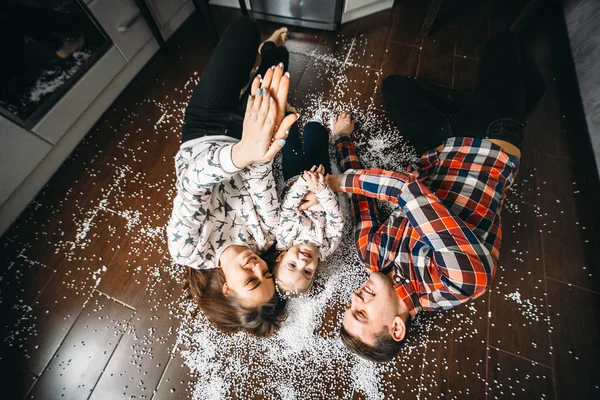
{"x":439,"y":247}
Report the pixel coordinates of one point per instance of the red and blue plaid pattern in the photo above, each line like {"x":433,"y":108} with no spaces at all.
{"x":442,"y":241}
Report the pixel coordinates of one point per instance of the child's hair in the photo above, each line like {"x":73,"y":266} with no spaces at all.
{"x":225,"y":312}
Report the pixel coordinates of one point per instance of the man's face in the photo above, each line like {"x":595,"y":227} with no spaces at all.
{"x":372,"y":308}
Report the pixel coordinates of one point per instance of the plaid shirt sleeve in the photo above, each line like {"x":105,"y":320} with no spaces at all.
{"x":459,"y":265}
{"x":364,"y":213}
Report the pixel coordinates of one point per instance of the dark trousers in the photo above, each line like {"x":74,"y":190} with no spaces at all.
{"x":215,"y":107}
{"x":300,"y":154}
{"x":508,"y":86}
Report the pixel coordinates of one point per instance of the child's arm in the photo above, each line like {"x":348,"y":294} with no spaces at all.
{"x":288,"y":215}
{"x":334,"y":219}
{"x":260,"y":183}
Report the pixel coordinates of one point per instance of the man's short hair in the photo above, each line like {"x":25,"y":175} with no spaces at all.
{"x":384,"y":349}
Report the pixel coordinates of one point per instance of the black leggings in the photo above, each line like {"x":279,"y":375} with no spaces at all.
{"x":508,"y":86}
{"x":301,"y":154}
{"x":216,"y":107}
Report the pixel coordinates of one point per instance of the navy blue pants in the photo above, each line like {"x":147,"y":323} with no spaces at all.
{"x":300,"y":154}
{"x":508,"y":86}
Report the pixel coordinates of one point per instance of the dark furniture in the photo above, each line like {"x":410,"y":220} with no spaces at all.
{"x":434,"y":6}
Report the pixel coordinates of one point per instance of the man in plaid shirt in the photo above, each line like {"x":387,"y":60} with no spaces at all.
{"x":440,"y":246}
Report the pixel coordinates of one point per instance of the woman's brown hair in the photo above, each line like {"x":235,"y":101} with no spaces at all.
{"x":226,"y":313}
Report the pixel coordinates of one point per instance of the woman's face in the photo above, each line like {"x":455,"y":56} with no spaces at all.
{"x":247,"y":276}
{"x":296,"y":267}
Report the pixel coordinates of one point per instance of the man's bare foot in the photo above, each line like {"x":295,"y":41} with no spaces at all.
{"x":343,"y":125}
{"x":69,"y":47}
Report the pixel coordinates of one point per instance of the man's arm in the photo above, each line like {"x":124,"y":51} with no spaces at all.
{"x":334,"y":220}
{"x":370,"y":236}
{"x":459,"y":260}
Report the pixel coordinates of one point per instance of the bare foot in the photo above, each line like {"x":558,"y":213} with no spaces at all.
{"x":343,"y":125}
{"x":69,"y":47}
{"x":279,"y":37}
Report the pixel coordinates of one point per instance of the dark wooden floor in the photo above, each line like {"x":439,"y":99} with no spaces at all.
{"x":83,"y":267}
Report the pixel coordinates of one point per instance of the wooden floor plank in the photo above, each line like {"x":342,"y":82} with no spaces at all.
{"x":21,"y":284}
{"x":298,"y":64}
{"x":437,"y":57}
{"x":518,"y":298}
{"x":399,"y":59}
{"x":16,"y":382}
{"x":408,"y":16}
{"x":465,"y":73}
{"x":512,"y":377}
{"x":576,"y":340}
{"x":570,"y":240}
{"x":454,"y":363}
{"x":177,"y":381}
{"x":142,"y":355}
{"x":371,"y":41}
{"x":81,"y":358}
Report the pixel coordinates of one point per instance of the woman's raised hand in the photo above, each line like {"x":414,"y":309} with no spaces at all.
{"x":265,"y":128}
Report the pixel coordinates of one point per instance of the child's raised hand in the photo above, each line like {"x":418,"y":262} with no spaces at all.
{"x":315,"y":179}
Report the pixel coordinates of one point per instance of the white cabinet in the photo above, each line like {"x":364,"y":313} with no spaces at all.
{"x":123,"y":22}
{"x":29,"y":159}
{"x":165,"y":9}
{"x":20,"y":153}
{"x":355,"y":9}
{"x":170,"y":14}
{"x":355,"y":4}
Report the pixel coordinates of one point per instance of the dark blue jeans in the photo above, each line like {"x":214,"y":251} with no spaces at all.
{"x":300,"y":154}
{"x":508,"y":86}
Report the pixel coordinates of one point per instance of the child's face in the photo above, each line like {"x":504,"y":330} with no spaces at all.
{"x":295,"y":268}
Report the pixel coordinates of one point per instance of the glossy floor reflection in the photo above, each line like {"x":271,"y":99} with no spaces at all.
{"x":89,"y":307}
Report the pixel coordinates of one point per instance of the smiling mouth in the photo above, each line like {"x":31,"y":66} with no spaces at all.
{"x":251,"y":259}
{"x":367,"y":289}
{"x":305,"y":253}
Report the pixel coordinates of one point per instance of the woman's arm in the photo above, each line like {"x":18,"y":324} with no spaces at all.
{"x":199,"y":168}
{"x":260,"y":183}
{"x":288,"y":214}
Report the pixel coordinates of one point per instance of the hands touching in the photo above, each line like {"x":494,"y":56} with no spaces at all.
{"x":315,"y":179}
{"x":309,"y":200}
{"x":265,"y":128}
